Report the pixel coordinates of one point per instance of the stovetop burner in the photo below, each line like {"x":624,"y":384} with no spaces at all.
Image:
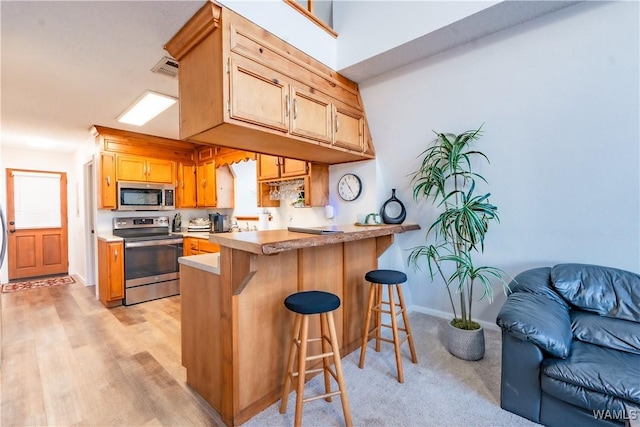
{"x":143,"y":228}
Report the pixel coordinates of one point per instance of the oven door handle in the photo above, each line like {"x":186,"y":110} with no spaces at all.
{"x":152,"y":243}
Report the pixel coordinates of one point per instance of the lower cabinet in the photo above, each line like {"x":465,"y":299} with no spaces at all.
{"x":110,"y":273}
{"x":197,"y":246}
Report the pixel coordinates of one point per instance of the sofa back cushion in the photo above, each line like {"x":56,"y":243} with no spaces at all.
{"x":606,"y":331}
{"x":604,"y":290}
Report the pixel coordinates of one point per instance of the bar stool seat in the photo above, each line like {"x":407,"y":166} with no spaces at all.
{"x":305,"y":304}
{"x":393,"y":280}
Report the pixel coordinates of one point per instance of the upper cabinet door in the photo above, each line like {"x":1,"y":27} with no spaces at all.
{"x":268,"y":167}
{"x":292,"y":167}
{"x":310,"y":115}
{"x":159,"y":170}
{"x":258,"y":95}
{"x":348,"y":128}
{"x":132,"y":168}
{"x":107,"y":187}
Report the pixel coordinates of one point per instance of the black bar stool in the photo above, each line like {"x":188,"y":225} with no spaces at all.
{"x":393,"y":279}
{"x":304,"y":304}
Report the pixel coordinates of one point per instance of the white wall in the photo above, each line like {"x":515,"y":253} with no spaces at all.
{"x":558,"y":97}
{"x":368,"y":28}
{"x":47,"y":161}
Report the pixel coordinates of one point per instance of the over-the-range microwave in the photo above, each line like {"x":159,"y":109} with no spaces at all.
{"x":141,"y":196}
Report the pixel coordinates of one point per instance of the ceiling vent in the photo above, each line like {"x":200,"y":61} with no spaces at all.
{"x":167,"y":66}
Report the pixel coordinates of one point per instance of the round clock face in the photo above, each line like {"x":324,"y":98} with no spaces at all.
{"x":349,"y":187}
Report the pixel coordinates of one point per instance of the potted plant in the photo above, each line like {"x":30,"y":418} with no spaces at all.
{"x":447,"y":181}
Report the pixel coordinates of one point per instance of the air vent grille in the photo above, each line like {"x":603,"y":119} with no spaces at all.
{"x":167,"y":66}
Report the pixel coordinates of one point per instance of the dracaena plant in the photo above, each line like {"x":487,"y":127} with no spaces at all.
{"x":447,"y":181}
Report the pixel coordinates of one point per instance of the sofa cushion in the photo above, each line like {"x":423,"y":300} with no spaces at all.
{"x":593,"y":377}
{"x":606,"y":331}
{"x":604,"y":290}
{"x":536,"y":281}
{"x":534,"y":317}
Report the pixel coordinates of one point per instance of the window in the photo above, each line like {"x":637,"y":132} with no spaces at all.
{"x":319,"y":11}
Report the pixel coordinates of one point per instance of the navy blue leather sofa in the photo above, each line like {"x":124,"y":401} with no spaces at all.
{"x":571,"y":346}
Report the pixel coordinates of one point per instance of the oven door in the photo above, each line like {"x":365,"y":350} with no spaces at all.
{"x":151,"y":269}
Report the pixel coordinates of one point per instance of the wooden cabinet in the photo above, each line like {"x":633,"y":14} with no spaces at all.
{"x":110,"y":273}
{"x":186,"y":186}
{"x":310,"y":114}
{"x":315,"y":186}
{"x":273,"y":168}
{"x":197,"y":246}
{"x":244,"y":88}
{"x":206,"y":179}
{"x":131,"y":168}
{"x":107,"y":185}
{"x":348,"y":128}
{"x":258,"y":95}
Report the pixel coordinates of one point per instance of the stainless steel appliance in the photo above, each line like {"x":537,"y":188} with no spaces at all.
{"x":219,"y":223}
{"x":140,"y":196}
{"x":151,"y":269}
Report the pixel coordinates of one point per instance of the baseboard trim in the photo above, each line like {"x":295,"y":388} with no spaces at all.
{"x":447,"y":315}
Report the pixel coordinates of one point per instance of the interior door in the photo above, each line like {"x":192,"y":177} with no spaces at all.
{"x":37,"y":223}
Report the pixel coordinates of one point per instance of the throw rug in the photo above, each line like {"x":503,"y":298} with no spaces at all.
{"x":37,"y":283}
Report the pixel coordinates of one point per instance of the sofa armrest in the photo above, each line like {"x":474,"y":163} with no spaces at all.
{"x":537,"y":319}
{"x":520,"y":390}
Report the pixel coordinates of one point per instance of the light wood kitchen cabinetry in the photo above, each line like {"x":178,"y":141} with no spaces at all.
{"x":197,"y":246}
{"x":110,"y":272}
{"x":273,"y":167}
{"x":206,"y":180}
{"x":131,"y":168}
{"x":107,"y":177}
{"x":244,"y":88}
{"x":315,"y":187}
{"x":186,"y":186}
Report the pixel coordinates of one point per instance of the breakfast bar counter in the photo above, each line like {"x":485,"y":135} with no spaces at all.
{"x":235,"y":328}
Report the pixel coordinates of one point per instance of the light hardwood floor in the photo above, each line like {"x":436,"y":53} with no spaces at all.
{"x":66,"y":360}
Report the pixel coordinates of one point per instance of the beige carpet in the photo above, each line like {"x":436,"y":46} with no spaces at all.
{"x":440,"y":390}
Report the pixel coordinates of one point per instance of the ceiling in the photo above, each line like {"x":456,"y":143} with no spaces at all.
{"x":67,"y":65}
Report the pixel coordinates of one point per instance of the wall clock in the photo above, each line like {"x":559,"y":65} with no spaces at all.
{"x":349,"y":187}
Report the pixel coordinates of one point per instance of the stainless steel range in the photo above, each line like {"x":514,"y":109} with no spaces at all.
{"x":151,"y":269}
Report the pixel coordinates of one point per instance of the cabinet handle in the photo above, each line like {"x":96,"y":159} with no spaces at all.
{"x":148,"y":170}
{"x":286,"y":97}
{"x":295,"y":108}
{"x":116,"y":254}
{"x":204,"y":182}
{"x":337,"y":124}
{"x":108,"y":181}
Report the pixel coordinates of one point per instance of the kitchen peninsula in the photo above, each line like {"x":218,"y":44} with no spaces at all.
{"x":235,"y":329}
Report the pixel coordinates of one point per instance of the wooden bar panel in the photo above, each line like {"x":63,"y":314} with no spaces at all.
{"x":236,"y":322}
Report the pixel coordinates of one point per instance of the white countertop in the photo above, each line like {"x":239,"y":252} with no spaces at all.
{"x":206,"y":262}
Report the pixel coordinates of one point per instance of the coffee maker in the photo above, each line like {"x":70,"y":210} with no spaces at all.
{"x":219,"y":223}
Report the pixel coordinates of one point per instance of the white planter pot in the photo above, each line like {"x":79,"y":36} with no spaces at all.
{"x":464,"y":344}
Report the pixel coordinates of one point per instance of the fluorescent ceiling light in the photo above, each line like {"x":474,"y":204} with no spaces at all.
{"x":149,"y":105}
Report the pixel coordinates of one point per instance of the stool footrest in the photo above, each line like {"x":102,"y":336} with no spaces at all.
{"x":321,"y":396}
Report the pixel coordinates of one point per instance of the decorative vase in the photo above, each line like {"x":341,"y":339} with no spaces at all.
{"x":466,"y":344}
{"x":386,"y":218}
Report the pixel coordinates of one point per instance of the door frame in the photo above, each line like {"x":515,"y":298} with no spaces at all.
{"x":64,"y":223}
{"x":90,"y":221}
